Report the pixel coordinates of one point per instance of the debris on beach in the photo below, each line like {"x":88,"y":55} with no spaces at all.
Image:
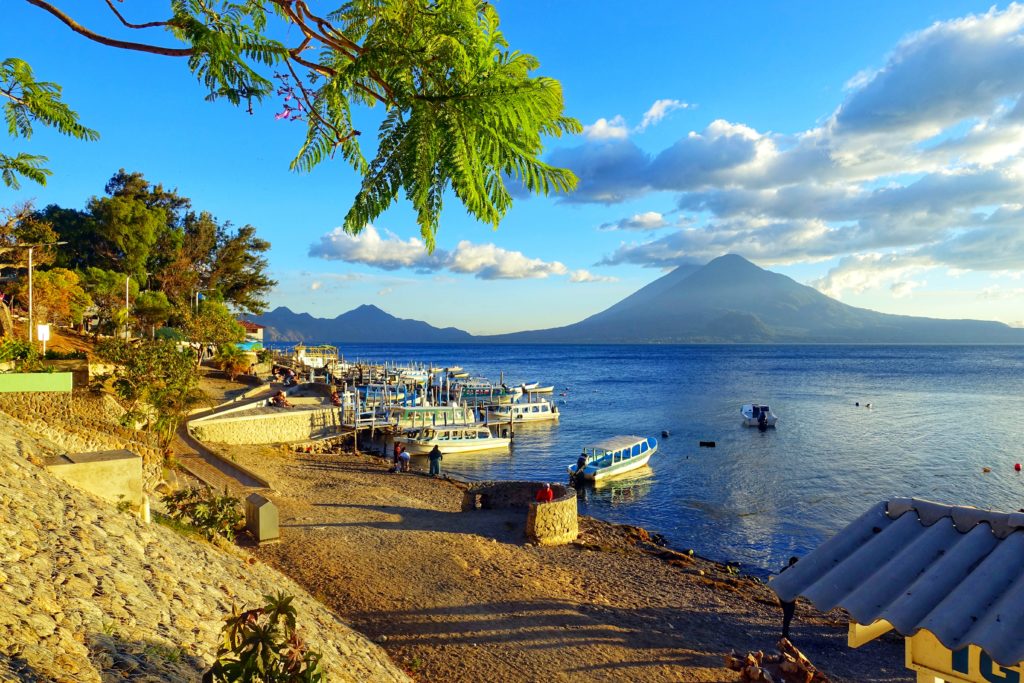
{"x":788,"y":666}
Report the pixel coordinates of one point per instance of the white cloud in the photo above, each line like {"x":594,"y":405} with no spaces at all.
{"x":489,"y":262}
{"x":862,"y":272}
{"x":905,"y":288}
{"x":605,"y":129}
{"x":584,"y":275}
{"x":648,"y":220}
{"x":370,"y":248}
{"x":659,"y":110}
{"x":390,"y":252}
{"x":315,"y":285}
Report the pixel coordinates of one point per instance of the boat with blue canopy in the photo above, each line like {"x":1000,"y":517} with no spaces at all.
{"x":615,"y":456}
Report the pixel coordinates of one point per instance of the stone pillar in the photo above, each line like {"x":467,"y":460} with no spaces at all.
{"x":555,"y":522}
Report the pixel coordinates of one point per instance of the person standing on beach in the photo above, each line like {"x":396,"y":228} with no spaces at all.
{"x":788,"y":607}
{"x":435,"y":461}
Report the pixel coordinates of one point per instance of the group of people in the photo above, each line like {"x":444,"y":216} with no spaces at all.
{"x":285,"y":375}
{"x":401,"y":460}
{"x":279,"y":400}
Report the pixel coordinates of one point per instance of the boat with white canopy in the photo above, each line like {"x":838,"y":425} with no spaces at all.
{"x":451,"y":439}
{"x":615,"y":456}
{"x":535,"y":411}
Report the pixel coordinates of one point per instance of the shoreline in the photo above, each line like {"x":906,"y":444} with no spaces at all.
{"x":458,"y":596}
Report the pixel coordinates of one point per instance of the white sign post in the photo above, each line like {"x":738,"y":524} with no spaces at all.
{"x":43,"y":335}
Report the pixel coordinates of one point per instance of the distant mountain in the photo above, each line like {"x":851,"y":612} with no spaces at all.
{"x":731,"y":300}
{"x":367,"y":324}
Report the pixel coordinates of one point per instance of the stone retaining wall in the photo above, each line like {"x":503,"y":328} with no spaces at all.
{"x":91,"y":594}
{"x":552,"y":523}
{"x":81,"y":422}
{"x":276,"y":427}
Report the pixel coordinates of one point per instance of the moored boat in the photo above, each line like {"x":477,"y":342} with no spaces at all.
{"x":451,"y":439}
{"x":484,"y":393}
{"x":615,"y":456}
{"x":535,"y":411}
{"x":405,"y":417}
{"x":758,"y":415}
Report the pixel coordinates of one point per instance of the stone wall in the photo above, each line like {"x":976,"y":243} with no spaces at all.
{"x":552,"y":523}
{"x":280,"y":426}
{"x":90,"y":594}
{"x":80,"y":422}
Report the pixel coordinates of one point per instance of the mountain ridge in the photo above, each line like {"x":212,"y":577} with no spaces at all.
{"x":728,"y":300}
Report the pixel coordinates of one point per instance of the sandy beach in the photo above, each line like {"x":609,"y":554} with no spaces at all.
{"x":460,"y":596}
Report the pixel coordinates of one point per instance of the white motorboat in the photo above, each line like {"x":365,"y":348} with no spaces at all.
{"x":535,"y":411}
{"x":451,"y":439}
{"x":758,"y":415}
{"x":542,"y":390}
{"x":615,"y":456}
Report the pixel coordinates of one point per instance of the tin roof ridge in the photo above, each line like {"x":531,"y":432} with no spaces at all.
{"x":964,"y":517}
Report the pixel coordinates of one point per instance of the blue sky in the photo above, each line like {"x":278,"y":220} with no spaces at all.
{"x":869,"y":149}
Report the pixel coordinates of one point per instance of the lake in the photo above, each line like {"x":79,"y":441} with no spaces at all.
{"x":938,"y":416}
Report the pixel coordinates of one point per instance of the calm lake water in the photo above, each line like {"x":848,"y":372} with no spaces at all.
{"x":939,"y":415}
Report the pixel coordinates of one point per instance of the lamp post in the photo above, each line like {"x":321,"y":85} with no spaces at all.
{"x":30,"y":247}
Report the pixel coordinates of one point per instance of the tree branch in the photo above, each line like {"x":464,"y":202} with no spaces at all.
{"x":111,"y":42}
{"x":150,"y":24}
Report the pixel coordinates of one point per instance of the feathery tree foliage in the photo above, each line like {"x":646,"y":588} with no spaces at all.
{"x":463,"y":114}
{"x":29,"y":101}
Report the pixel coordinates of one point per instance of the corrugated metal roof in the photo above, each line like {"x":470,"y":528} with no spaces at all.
{"x":955,"y":571}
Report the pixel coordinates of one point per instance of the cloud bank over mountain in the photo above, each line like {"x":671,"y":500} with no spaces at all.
{"x":918,"y":168}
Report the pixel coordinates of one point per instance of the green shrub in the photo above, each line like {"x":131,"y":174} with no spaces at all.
{"x":261,"y":646}
{"x":15,"y":349}
{"x":212,"y":514}
{"x":64,"y":355}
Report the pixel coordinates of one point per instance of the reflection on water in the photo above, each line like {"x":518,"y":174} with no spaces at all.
{"x":939,"y":415}
{"x":622,"y":490}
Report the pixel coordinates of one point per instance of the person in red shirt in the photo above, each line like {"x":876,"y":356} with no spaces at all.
{"x":545,"y":495}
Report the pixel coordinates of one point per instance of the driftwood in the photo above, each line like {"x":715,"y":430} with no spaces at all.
{"x":788,"y":666}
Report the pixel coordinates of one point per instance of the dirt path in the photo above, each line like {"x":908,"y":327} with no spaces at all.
{"x":458,"y":596}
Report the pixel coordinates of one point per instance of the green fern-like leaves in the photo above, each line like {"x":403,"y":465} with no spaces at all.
{"x":27,"y":101}
{"x":465,"y":112}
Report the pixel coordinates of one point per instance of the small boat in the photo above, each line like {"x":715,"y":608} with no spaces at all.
{"x":616,"y":456}
{"x":757,"y":415}
{"x":536,"y":411}
{"x":451,"y":439}
{"x":537,"y":389}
